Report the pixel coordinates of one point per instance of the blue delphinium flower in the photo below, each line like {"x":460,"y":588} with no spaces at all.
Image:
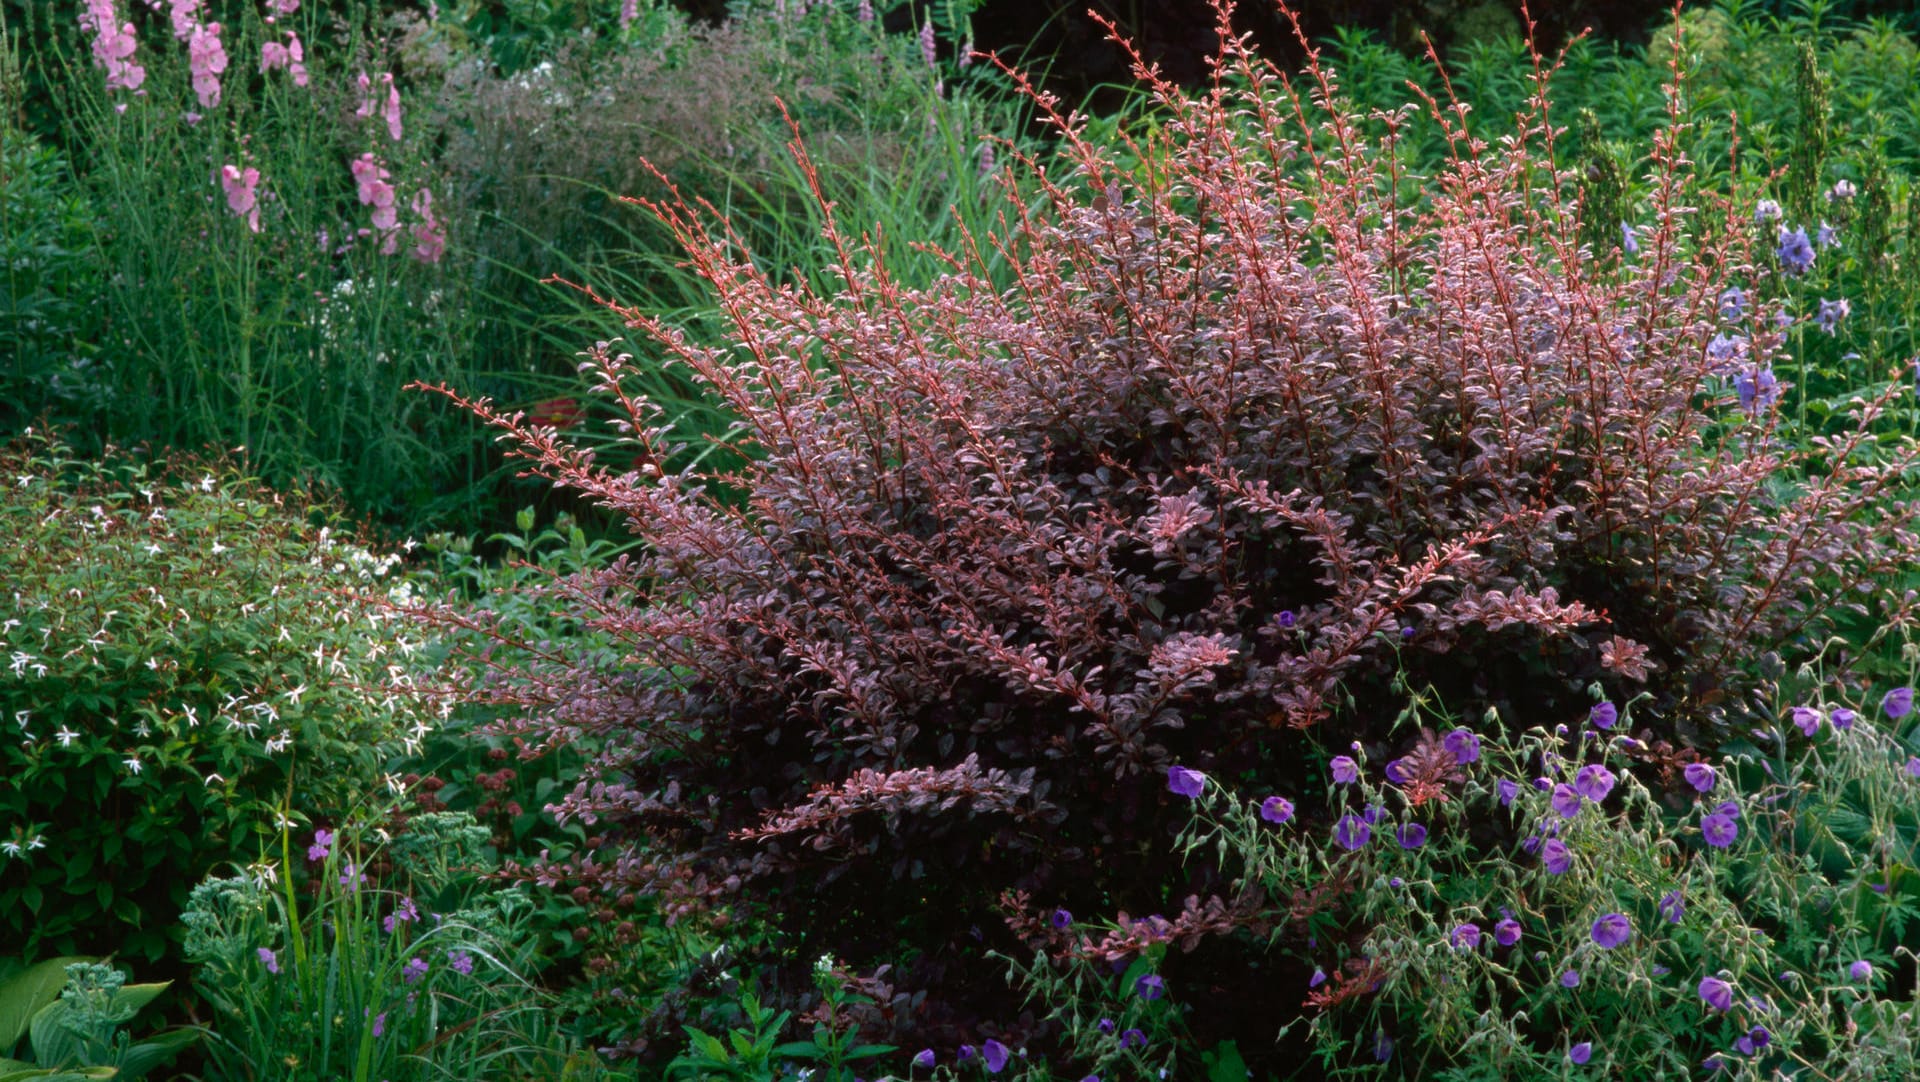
{"x":1725,"y":351}
{"x":1831,"y":313}
{"x":1826,"y":236}
{"x":1795,"y":251}
{"x":1629,"y":239}
{"x":1757,"y":389}
{"x":1733,"y":302}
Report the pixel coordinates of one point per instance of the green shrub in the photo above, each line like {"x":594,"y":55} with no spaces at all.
{"x":187,"y":664}
{"x":71,"y":1029}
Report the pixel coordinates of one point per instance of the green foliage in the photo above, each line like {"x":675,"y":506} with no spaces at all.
{"x":750,"y":1052}
{"x":70,"y":1010}
{"x":187,"y":665}
{"x":46,"y":284}
{"x":364,"y":976}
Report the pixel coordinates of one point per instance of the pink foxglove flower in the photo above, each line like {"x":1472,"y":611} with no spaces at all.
{"x":242,"y":187}
{"x":206,"y":59}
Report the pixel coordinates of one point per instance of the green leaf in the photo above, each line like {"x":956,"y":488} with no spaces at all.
{"x":26,"y":993}
{"x":55,"y":1040}
{"x":802,"y":1049}
{"x":1224,"y":1063}
{"x":135,"y":1062}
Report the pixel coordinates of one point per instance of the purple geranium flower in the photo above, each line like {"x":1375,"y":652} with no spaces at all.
{"x":1396,"y":771}
{"x":1382,"y":1046}
{"x":1507,"y":932}
{"x":1861,"y":971}
{"x":1133,"y":1038}
{"x":1566,"y":800}
{"x":1276,"y":809}
{"x":1728,"y":808}
{"x":1351,"y":832}
{"x":1508,"y":789}
{"x":1717,"y":993}
{"x":1184,"y":782}
{"x":1286,"y":619}
{"x":1843,"y":718}
{"x":994,"y":1055}
{"x":1612,"y":930}
{"x":1106,"y":1026}
{"x":1150,"y":986}
{"x":1701,"y":776}
{"x":1345,"y":770}
{"x":1570,"y":979}
{"x":1719,"y":830}
{"x":1603,"y":715}
{"x":1897,"y":703}
{"x":1372,"y":813}
{"x":1913,"y":766}
{"x":1795,"y":251}
{"x":924,"y":1059}
{"x":269,"y":959}
{"x":1580,"y":1053}
{"x":1412,"y":836}
{"x":1555,"y":856}
{"x":1465,"y":936}
{"x":1594,"y":782}
{"x":1463,"y":745}
{"x":1806,"y":719}
{"x":1319,"y":978}
{"x":1673,"y":906}
{"x":1061,"y":919}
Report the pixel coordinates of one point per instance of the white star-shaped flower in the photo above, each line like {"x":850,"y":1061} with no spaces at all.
{"x":133,"y":765}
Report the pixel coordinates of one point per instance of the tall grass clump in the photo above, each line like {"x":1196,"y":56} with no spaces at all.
{"x":272,"y":258}
{"x":1256,"y":440}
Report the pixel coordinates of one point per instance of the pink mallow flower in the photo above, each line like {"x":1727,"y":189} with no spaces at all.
{"x":392,"y":110}
{"x":429,"y":236}
{"x":375,"y":192}
{"x":113,"y":45}
{"x":278,"y":8}
{"x":274,"y":55}
{"x":181,"y":13}
{"x":206,"y":59}
{"x":242,"y":187}
{"x":366,"y":95}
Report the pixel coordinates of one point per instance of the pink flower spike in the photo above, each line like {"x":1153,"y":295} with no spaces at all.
{"x":366,"y":95}
{"x":182,"y":16}
{"x":393,"y":108}
{"x":241,"y":186}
